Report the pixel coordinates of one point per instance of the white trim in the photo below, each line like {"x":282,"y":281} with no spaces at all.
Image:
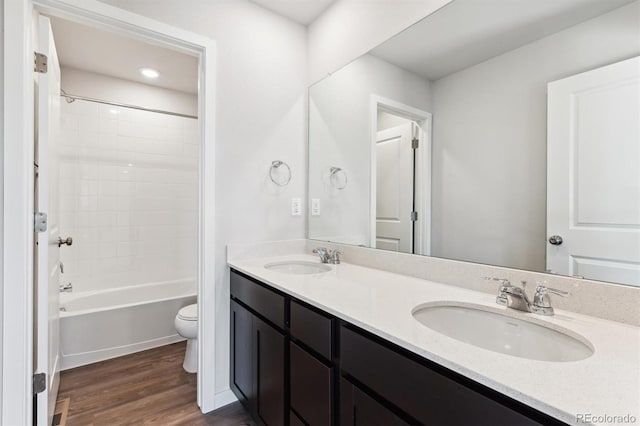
{"x":423,"y":168}
{"x":17,"y":310}
{"x":225,"y":397}
{"x":18,"y":132}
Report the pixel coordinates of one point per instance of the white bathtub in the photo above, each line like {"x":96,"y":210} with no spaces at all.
{"x":99,"y":325}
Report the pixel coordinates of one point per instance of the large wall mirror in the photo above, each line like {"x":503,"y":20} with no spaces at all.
{"x":504,"y":132}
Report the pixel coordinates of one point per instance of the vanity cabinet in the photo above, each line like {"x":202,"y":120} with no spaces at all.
{"x":293,"y":364}
{"x":258,"y":351}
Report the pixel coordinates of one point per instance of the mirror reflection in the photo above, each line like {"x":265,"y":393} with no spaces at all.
{"x":503,"y":132}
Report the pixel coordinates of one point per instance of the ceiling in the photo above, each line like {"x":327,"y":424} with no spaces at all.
{"x":102,"y":52}
{"x":467,"y":32}
{"x":302,"y":11}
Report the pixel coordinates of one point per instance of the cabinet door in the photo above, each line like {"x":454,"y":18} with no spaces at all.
{"x":269,"y":373}
{"x":241,"y":349}
{"x":359,"y":409}
{"x":310,"y":382}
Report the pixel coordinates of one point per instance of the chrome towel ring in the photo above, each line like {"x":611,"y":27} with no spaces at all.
{"x":273,"y":173}
{"x":338,"y":178}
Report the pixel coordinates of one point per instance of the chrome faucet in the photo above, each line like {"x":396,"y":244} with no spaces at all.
{"x":323,"y":253}
{"x":328,"y":256}
{"x":512,"y":296}
{"x":66,"y":288}
{"x":516,"y":297}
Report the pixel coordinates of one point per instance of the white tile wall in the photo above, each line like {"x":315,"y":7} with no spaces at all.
{"x":129,"y":196}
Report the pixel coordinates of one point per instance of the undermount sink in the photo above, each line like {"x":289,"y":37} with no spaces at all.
{"x":298,"y":267}
{"x":480,"y":326}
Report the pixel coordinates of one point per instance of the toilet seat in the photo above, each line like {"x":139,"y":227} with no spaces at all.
{"x":189,"y":313}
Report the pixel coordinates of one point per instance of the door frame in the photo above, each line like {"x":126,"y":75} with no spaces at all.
{"x":423,"y":168}
{"x":17,"y":186}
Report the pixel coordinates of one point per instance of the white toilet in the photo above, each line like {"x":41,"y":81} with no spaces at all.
{"x":186,"y":323}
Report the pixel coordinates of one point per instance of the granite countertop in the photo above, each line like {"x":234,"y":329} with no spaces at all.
{"x":605,"y":384}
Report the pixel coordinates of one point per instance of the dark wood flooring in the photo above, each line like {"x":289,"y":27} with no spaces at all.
{"x":148,"y":387}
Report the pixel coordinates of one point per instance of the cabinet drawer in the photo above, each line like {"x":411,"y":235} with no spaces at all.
{"x":265,"y":302}
{"x":421,"y":392}
{"x":310,"y":387}
{"x":311,"y":328}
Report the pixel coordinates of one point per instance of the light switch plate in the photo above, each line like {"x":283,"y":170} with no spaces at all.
{"x":296,"y":207}
{"x":315,"y":207}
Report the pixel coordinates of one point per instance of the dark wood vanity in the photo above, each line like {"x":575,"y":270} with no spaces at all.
{"x":293,"y":364}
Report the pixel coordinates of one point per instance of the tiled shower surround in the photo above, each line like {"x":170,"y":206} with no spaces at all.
{"x":128,"y":192}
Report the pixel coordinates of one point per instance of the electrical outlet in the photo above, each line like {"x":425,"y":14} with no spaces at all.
{"x":315,"y":207}
{"x":296,"y":207}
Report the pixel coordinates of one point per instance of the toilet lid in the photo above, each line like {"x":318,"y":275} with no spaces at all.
{"x":189,"y":313}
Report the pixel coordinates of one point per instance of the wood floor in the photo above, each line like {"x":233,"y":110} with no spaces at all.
{"x":144,"y":388}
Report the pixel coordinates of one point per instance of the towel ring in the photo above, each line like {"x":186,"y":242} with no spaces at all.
{"x":334,"y":177}
{"x":275,"y":165}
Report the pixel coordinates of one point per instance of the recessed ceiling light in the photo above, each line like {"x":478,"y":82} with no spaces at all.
{"x":149,"y":72}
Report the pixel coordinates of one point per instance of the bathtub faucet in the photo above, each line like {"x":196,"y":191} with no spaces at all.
{"x":66,"y":288}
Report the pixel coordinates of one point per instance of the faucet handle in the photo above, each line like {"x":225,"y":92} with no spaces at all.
{"x":504,"y":283}
{"x":323,"y":253}
{"x":501,"y":298}
{"x":334,"y":256}
{"x":541,"y":302}
{"x":542,"y":289}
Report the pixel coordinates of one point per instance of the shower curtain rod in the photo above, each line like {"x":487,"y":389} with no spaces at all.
{"x":100,"y":101}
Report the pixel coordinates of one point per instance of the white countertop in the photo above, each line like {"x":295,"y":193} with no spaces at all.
{"x":606,"y":383}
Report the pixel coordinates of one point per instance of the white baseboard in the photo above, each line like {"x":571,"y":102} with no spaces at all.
{"x":223,"y":398}
{"x":84,"y":358}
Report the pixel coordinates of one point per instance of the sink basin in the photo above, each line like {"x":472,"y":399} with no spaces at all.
{"x":298,"y":267}
{"x":480,"y":326}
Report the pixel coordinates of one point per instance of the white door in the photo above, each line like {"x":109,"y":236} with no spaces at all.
{"x":593,"y":174}
{"x":47,"y":252}
{"x":394,"y":189}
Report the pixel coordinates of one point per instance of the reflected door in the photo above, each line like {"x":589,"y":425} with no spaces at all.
{"x":593,"y":174}
{"x":394,"y":189}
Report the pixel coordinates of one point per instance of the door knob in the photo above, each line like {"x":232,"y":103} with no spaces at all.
{"x":556,"y":240}
{"x":68,"y":241}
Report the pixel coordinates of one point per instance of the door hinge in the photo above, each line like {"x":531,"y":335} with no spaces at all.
{"x":414,"y":216}
{"x":39,"y":62}
{"x":39,"y":382}
{"x":40,"y":222}
{"x":414,"y":143}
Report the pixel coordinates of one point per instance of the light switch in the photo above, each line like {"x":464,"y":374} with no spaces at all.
{"x":315,"y":207}
{"x":296,"y":207}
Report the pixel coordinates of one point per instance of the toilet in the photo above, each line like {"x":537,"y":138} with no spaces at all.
{"x":186,"y":323}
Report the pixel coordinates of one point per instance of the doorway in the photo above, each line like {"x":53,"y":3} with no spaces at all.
{"x":19,"y":365}
{"x":400,"y":177}
{"x":117,"y":155}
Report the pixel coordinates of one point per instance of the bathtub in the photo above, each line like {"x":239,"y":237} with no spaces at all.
{"x":104,"y":324}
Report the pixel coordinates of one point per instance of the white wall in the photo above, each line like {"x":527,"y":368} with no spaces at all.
{"x":489,"y":141}
{"x":350,"y":28}
{"x":1,"y":185}
{"x":340,"y":135}
{"x":261,"y":116}
{"x":98,"y":86}
{"x":128,"y":196}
